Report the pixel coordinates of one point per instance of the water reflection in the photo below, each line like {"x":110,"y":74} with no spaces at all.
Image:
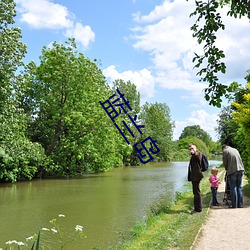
{"x":104,"y":204}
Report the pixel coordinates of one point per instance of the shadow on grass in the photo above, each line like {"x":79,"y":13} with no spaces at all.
{"x":246,"y":190}
{"x":183,"y":204}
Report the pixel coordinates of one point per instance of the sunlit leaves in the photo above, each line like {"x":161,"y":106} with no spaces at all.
{"x":159,"y":126}
{"x":68,"y":120}
{"x":196,"y":131}
{"x":211,"y":63}
{"x":21,"y":157}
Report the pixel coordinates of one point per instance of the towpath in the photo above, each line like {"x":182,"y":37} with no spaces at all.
{"x":225,"y":228}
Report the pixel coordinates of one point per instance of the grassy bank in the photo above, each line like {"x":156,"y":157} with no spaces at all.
{"x":170,"y":227}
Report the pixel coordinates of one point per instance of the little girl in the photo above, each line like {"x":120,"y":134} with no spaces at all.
{"x":214,"y":185}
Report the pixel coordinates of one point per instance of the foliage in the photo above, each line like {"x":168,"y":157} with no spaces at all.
{"x":158,"y":125}
{"x":196,"y":131}
{"x":227,"y":127}
{"x":66,"y":117}
{"x":232,"y":124}
{"x":131,"y":94}
{"x":20,"y":158}
{"x":205,"y":28}
{"x":241,"y":115}
{"x":201,"y":146}
{"x":12,"y":50}
{"x":54,"y":237}
{"x":215,"y":148}
{"x":181,"y":154}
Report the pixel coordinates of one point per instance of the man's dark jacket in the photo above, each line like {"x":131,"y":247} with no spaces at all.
{"x":194,"y":168}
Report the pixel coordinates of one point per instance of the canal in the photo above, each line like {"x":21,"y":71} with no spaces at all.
{"x":105,"y":204}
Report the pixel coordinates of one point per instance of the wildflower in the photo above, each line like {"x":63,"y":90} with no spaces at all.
{"x":78,"y":228}
{"x":29,"y":238}
{"x":20,"y":243}
{"x":45,"y":229}
{"x":10,"y":242}
{"x":54,"y":230}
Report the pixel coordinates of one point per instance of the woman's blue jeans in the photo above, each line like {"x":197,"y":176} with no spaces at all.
{"x":235,"y":182}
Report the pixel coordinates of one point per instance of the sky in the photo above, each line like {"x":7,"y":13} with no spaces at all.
{"x":147,"y":42}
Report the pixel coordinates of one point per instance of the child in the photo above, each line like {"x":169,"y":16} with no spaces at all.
{"x":214,"y":185}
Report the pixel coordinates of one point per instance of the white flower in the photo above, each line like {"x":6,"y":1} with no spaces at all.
{"x":10,"y":242}
{"x":54,"y":230}
{"x":20,"y":243}
{"x":29,"y":238}
{"x":61,"y":215}
{"x":45,"y":229}
{"x":78,"y":228}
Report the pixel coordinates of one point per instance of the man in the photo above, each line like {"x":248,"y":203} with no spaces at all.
{"x":235,"y":169}
{"x":195,"y":175}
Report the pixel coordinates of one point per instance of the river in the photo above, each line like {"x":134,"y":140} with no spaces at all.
{"x":105,"y":204}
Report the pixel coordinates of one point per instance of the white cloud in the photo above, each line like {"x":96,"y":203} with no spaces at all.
{"x":143,"y":80}
{"x":200,"y":117}
{"x":234,"y":41}
{"x":83,"y":34}
{"x":165,"y":33}
{"x":159,"y":12}
{"x":44,"y":14}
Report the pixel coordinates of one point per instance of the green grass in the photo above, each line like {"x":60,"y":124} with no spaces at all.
{"x":170,"y":226}
{"x":246,"y":188}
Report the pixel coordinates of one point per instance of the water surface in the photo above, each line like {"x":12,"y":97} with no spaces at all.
{"x":104,"y":204}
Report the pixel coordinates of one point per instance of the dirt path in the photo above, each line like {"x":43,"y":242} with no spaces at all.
{"x":225,"y":228}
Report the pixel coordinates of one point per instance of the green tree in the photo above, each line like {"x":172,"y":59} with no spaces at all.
{"x":215,"y":148}
{"x":183,"y":144}
{"x":12,"y":50}
{"x":131,"y":94}
{"x":207,"y":25}
{"x":158,"y":125}
{"x":229,"y":130}
{"x":19,"y":158}
{"x":227,"y":127}
{"x":66,"y":117}
{"x":233,"y":127}
{"x":196,"y":131}
{"x":242,"y":117}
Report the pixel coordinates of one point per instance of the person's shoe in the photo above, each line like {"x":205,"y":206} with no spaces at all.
{"x":241,"y":206}
{"x":194,"y":212}
{"x":217,"y":204}
{"x":231,"y":206}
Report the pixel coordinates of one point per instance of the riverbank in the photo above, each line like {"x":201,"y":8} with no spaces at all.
{"x":175,"y":228}
{"x":172,"y":227}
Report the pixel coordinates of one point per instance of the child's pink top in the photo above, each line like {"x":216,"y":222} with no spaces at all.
{"x":214,"y":181}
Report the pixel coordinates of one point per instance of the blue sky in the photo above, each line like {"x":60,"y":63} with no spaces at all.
{"x":148,"y":42}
